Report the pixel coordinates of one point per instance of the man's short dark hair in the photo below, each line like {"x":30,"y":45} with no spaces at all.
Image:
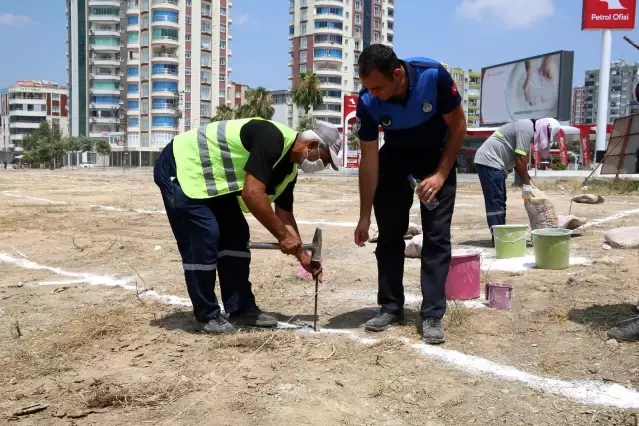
{"x":378,"y":57}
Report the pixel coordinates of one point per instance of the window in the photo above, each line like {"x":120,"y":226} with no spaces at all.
{"x":303,"y":15}
{"x":328,"y":38}
{"x":303,"y":68}
{"x":187,"y":37}
{"x":165,"y":33}
{"x":132,"y":105}
{"x":331,"y":53}
{"x":133,"y":20}
{"x":133,"y":122}
{"x":205,"y":76}
{"x":303,"y":56}
{"x":133,"y":88}
{"x":389,"y":38}
{"x":303,"y":43}
{"x":163,"y":121}
{"x":222,"y":77}
{"x":391,"y":25}
{"x":377,"y":23}
{"x":291,"y":30}
{"x":206,"y":9}
{"x":165,"y":69}
{"x":338,"y":11}
{"x":303,"y":29}
{"x":222,"y":44}
{"x":145,"y":90}
{"x":187,"y":54}
{"x":164,"y":86}
{"x":357,"y":45}
{"x":187,"y":89}
{"x":205,"y":60}
{"x":206,"y":43}
{"x":55,"y":97}
{"x":238,"y":95}
{"x":222,"y":11}
{"x":222,"y":28}
{"x":358,"y":32}
{"x":205,"y":93}
{"x":188,"y":3}
{"x":358,"y":18}
{"x":187,"y":71}
{"x":206,"y":26}
{"x":165,"y":16}
{"x":223,"y":61}
{"x":358,"y":5}
{"x":187,"y":105}
{"x":187,"y":19}
{"x":330,"y":79}
{"x":205,"y":110}
{"x":329,"y":24}
{"x":133,"y":71}
{"x":377,"y":36}
{"x":55,"y":109}
{"x":378,"y":10}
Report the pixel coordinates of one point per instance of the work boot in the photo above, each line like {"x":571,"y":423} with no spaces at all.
{"x":626,"y":331}
{"x":432,"y":331}
{"x":383,"y":320}
{"x":253,"y":318}
{"x":218,"y":325}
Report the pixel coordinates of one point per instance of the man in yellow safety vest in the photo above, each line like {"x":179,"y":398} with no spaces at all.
{"x":209,"y":177}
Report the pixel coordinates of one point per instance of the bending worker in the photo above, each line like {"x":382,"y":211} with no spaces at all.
{"x":507,"y":149}
{"x":417,"y":104}
{"x":208,"y":178}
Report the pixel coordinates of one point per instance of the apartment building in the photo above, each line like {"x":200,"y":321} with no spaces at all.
{"x":577,"y":111}
{"x":469,"y":86}
{"x":141,"y":71}
{"x":23,"y":107}
{"x":282,"y":104}
{"x":237,"y":94}
{"x":326,"y":37}
{"x":620,"y":101}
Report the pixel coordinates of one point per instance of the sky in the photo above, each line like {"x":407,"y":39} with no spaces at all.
{"x":463,"y":33}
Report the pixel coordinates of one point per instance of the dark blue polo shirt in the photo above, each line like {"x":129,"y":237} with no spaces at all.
{"x":416,"y":123}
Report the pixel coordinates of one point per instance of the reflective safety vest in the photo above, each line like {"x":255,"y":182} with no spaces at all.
{"x":210,"y":160}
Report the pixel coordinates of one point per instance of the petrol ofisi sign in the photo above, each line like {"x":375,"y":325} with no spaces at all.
{"x":608,"y":14}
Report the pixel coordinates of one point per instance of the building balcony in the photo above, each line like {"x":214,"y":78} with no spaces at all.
{"x":105,"y":62}
{"x":328,"y":113}
{"x":166,"y":4}
{"x":170,"y":58}
{"x":103,"y":120}
{"x":104,"y":91}
{"x":207,"y":47}
{"x":331,"y":99}
{"x":105,"y":18}
{"x":133,"y":6}
{"x":331,"y":86}
{"x":133,"y":78}
{"x":105,"y":47}
{"x":319,"y":3}
{"x":230,"y":53}
{"x":133,"y":44}
{"x":164,"y":109}
{"x":165,"y":41}
{"x":23,"y":113}
{"x":165,"y":23}
{"x":164,"y":94}
{"x":133,"y":95}
{"x":165,"y":128}
{"x":105,"y":76}
{"x":24,"y":125}
{"x":103,"y":106}
{"x":109,"y":33}
{"x":135,"y":61}
{"x":110,"y":3}
{"x":165,"y":75}
{"x":326,"y":59}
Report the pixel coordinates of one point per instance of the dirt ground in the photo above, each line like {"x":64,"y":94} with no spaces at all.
{"x":91,"y":352}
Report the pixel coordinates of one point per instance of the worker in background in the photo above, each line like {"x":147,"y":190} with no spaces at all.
{"x":418,"y":106}
{"x":209,"y":177}
{"x":507,"y":149}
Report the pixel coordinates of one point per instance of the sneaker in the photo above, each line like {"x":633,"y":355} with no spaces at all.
{"x":432,"y":331}
{"x":383,"y":320}
{"x":218,"y":325}
{"x":626,"y":331}
{"x":253,"y":318}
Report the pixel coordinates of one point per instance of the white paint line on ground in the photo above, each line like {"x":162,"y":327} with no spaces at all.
{"x":619,"y":215}
{"x":32,"y":198}
{"x":118,"y":209}
{"x":583,"y":391}
{"x":520,"y":264}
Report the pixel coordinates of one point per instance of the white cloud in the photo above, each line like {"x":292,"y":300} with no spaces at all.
{"x":511,"y":13}
{"x":12,"y":20}
{"x":242,"y":19}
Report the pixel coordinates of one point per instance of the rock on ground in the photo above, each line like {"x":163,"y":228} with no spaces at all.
{"x":588,"y":199}
{"x":627,"y":237}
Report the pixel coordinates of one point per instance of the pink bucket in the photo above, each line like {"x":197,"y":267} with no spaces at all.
{"x":499,"y":295}
{"x":463,"y":281}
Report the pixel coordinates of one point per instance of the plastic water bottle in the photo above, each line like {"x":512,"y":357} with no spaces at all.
{"x":430,"y":205}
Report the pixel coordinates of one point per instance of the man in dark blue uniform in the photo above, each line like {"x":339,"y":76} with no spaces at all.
{"x":419,"y":108}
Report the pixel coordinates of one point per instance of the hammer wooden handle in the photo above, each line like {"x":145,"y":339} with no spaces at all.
{"x":275,"y":246}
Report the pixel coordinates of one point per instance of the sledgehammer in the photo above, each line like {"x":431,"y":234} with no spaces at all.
{"x":316,"y":257}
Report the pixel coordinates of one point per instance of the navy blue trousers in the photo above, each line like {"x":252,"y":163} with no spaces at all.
{"x":393,"y":200}
{"x":493,"y":185}
{"x":212,"y":236}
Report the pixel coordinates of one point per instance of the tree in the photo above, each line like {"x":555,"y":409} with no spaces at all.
{"x":307,"y":93}
{"x":223,"y":112}
{"x":44,"y":146}
{"x":258,"y":104}
{"x":78,"y":145}
{"x":306,"y":122}
{"x":103,"y":148}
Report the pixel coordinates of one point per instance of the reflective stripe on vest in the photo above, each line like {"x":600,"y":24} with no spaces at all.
{"x":210,"y":160}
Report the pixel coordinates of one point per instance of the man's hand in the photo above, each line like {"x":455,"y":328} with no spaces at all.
{"x":428,"y":188}
{"x":291,"y":243}
{"x":527,"y":193}
{"x":313,"y":268}
{"x":361,"y":232}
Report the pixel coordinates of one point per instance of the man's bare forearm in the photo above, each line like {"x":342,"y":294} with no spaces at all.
{"x":260,"y":207}
{"x":521,"y":167}
{"x":287,"y":218}
{"x":368,"y":172}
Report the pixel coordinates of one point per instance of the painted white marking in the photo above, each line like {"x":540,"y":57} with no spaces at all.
{"x":519,"y":264}
{"x":118,"y":209}
{"x":32,"y":198}
{"x":619,"y":215}
{"x":583,"y":391}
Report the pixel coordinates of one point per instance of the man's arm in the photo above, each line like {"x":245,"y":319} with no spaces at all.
{"x":522,"y":148}
{"x":449,"y":104}
{"x":367,"y":132}
{"x":255,"y":198}
{"x":284,"y":206}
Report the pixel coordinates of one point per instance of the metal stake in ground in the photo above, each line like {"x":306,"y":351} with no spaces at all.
{"x":316,"y":257}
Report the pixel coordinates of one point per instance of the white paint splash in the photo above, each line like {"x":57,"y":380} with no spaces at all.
{"x":520,"y":264}
{"x":582,"y":391}
{"x":32,"y":198}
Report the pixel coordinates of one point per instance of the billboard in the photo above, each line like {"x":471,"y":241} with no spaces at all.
{"x":608,"y":14}
{"x":349,"y":119}
{"x":535,"y":87}
{"x":622,"y":154}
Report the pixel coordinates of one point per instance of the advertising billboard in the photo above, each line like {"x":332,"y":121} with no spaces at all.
{"x":608,"y":14}
{"x":349,"y":119}
{"x":535,"y":87}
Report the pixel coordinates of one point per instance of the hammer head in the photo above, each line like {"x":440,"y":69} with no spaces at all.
{"x":316,"y":252}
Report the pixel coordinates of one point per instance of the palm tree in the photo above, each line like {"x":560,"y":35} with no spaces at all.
{"x":223,"y":112}
{"x":258,"y":104}
{"x":307,"y":93}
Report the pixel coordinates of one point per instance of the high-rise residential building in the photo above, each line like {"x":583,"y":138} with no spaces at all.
{"x":237,"y":94}
{"x":141,"y":71}
{"x":23,"y":107}
{"x":620,"y":100}
{"x":577,"y":113}
{"x":326,"y":37}
{"x":281,"y":103}
{"x":468,"y":84}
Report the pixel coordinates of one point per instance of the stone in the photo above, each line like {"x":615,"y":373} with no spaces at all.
{"x":414,"y":247}
{"x":588,"y":199}
{"x":373,"y":234}
{"x":408,"y":398}
{"x":612,"y":343}
{"x":624,"y":238}
{"x":571,"y":222}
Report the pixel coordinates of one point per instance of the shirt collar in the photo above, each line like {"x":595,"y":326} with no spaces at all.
{"x":412,"y":73}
